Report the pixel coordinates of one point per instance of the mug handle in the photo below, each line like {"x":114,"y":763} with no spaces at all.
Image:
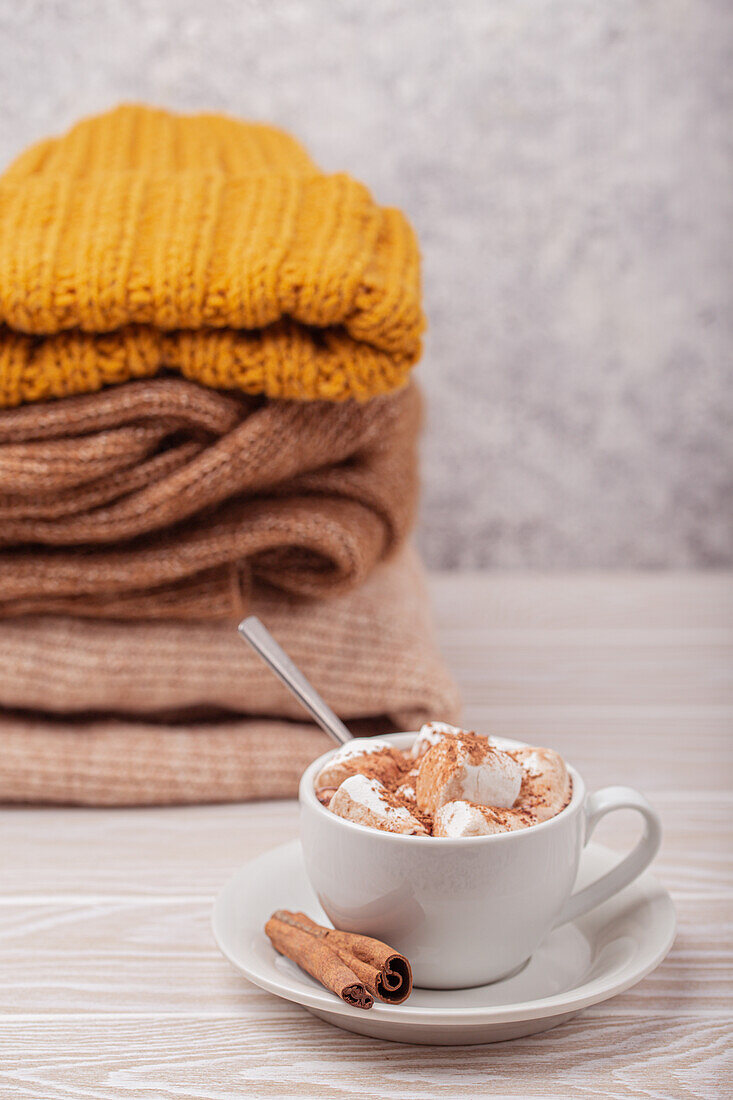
{"x":597,"y":805}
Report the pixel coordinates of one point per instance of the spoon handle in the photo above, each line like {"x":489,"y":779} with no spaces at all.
{"x":259,"y":637}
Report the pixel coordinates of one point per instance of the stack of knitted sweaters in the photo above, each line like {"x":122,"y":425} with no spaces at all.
{"x":205,"y":411}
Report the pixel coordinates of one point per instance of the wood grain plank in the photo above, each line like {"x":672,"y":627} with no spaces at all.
{"x":161,"y":851}
{"x":189,"y":851}
{"x":569,"y":601}
{"x":160,"y":957}
{"x":630,"y":676}
{"x":286,"y":1052}
{"x":697,"y":975}
{"x":657,"y":748}
{"x":697,"y":840}
{"x":591,"y":671}
{"x":103,"y":956}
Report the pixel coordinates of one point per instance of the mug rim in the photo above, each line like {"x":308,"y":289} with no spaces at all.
{"x":307,"y":796}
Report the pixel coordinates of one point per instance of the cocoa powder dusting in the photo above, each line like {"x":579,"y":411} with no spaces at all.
{"x":396,"y":769}
{"x":386,"y":765}
{"x":528,"y":798}
{"x":406,"y":777}
{"x":476,"y":747}
{"x":502,"y":816}
{"x":400,"y":798}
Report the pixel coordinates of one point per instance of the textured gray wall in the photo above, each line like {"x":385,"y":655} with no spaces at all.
{"x":567,"y":166}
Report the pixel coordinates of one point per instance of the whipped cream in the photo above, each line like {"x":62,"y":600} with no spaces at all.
{"x":367,"y":802}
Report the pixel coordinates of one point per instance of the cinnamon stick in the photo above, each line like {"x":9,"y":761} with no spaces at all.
{"x":383,"y":971}
{"x":317,"y":958}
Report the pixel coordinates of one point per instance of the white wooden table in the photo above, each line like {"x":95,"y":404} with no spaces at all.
{"x":111,"y":986}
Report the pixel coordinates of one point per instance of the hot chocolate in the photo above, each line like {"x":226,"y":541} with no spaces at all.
{"x":450,"y":783}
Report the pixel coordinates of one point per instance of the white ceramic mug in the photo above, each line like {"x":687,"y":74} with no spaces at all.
{"x":469,"y":910}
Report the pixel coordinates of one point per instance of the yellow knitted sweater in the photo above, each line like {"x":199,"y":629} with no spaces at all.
{"x":143,"y":240}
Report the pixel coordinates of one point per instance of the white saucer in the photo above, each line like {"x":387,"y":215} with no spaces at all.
{"x":579,"y":964}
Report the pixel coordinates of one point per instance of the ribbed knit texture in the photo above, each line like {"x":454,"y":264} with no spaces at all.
{"x":142,"y":240}
{"x":86,"y":708}
{"x":160,"y":498}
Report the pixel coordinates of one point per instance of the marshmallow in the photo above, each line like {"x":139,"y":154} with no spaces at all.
{"x":467,"y":769}
{"x":466,"y":819}
{"x":431,"y":734}
{"x":362,"y":756}
{"x":546,"y":784}
{"x":367,"y":802}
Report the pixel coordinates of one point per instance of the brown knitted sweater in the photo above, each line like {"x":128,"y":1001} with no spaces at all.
{"x":161,"y":498}
{"x":130,"y":713}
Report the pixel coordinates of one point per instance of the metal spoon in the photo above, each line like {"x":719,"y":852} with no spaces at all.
{"x":262,"y":641}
